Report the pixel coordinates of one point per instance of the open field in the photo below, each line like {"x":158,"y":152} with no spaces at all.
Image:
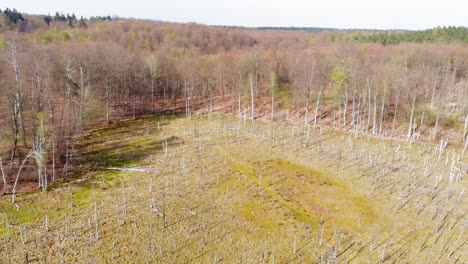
{"x":176,"y":190}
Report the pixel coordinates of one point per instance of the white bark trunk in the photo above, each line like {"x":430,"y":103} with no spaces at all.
{"x":374,"y":122}
{"x":345,"y":108}
{"x":316,"y":109}
{"x":4,"y":178}
{"x":382,"y":110}
{"x":466,"y":126}
{"x":411,"y":119}
{"x":272,"y":98}
{"x":252,"y":97}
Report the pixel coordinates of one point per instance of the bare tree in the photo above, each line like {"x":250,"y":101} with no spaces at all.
{"x":309,"y":87}
{"x":252,"y":96}
{"x":152,"y":65}
{"x":3,"y":177}
{"x":410,"y":125}
{"x":273,"y":88}
{"x":16,"y":102}
{"x":39,"y":151}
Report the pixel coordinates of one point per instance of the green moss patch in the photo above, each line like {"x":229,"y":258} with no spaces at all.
{"x":281,"y":192}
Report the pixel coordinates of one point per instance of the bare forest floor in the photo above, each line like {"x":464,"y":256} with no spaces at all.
{"x":220,"y":189}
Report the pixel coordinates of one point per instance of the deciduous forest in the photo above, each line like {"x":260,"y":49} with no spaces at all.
{"x":313,"y":145}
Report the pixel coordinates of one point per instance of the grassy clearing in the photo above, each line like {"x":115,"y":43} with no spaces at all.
{"x":289,"y":191}
{"x":236,"y":191}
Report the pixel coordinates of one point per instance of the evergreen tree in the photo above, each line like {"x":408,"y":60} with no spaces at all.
{"x":71,"y":20}
{"x":83,"y":23}
{"x":48,"y":19}
{"x":13,"y":16}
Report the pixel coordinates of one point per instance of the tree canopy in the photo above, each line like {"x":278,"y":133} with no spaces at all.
{"x":13,"y":16}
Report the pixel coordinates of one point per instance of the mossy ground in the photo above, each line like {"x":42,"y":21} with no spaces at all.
{"x":281,"y":191}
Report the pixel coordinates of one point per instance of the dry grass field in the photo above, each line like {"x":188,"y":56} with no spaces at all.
{"x":224,"y":190}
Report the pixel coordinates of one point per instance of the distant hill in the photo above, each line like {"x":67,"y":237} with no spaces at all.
{"x":319,"y":29}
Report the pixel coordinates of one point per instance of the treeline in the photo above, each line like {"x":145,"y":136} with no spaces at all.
{"x":304,"y":29}
{"x":14,"y":20}
{"x":12,"y":16}
{"x":439,"y":34}
{"x":57,"y":81}
{"x":71,"y":20}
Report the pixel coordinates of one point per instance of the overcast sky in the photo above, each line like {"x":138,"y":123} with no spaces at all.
{"x":372,"y":14}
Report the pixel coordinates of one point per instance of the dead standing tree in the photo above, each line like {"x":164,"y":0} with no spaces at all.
{"x":16,"y":101}
{"x":152,"y":67}
{"x":254,"y":68}
{"x":3,"y":178}
{"x":79,"y":99}
{"x":309,"y":86}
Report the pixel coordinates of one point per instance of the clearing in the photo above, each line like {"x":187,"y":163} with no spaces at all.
{"x":220,"y":189}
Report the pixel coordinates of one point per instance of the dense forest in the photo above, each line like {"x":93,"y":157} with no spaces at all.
{"x":60,"y":74}
{"x":439,"y":34}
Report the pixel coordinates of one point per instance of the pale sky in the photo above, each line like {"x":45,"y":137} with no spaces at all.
{"x":371,"y":14}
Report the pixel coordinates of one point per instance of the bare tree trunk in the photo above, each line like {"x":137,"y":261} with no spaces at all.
{"x":306,"y":118}
{"x":422,"y":119}
{"x":369,"y":104}
{"x":382,"y":109}
{"x":224,"y":92}
{"x":339,"y":114}
{"x":359,"y":116}
{"x":14,"y":112}
{"x":190,"y":100}
{"x":133,"y":91}
{"x":309,"y":91}
{"x":239,"y":93}
{"x":39,"y":153}
{"x":353,"y":114}
{"x":466,"y":127}
{"x":186,"y":98}
{"x":273,"y":84}
{"x":334,"y":118}
{"x":374,"y":122}
{"x":153,"y":103}
{"x":464,"y":149}
{"x":395,"y":113}
{"x":16,"y":104}
{"x":13,"y":193}
{"x":316,"y":108}
{"x":107,"y":100}
{"x":210,"y":89}
{"x":52,"y":128}
{"x":164,"y":96}
{"x":252,"y":96}
{"x":54,"y":150}
{"x":345,"y":108}
{"x":3,"y":177}
{"x":411,"y":119}
{"x":433,"y":91}
{"x":153,"y":107}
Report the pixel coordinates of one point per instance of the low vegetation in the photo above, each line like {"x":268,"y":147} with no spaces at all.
{"x":223,"y":189}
